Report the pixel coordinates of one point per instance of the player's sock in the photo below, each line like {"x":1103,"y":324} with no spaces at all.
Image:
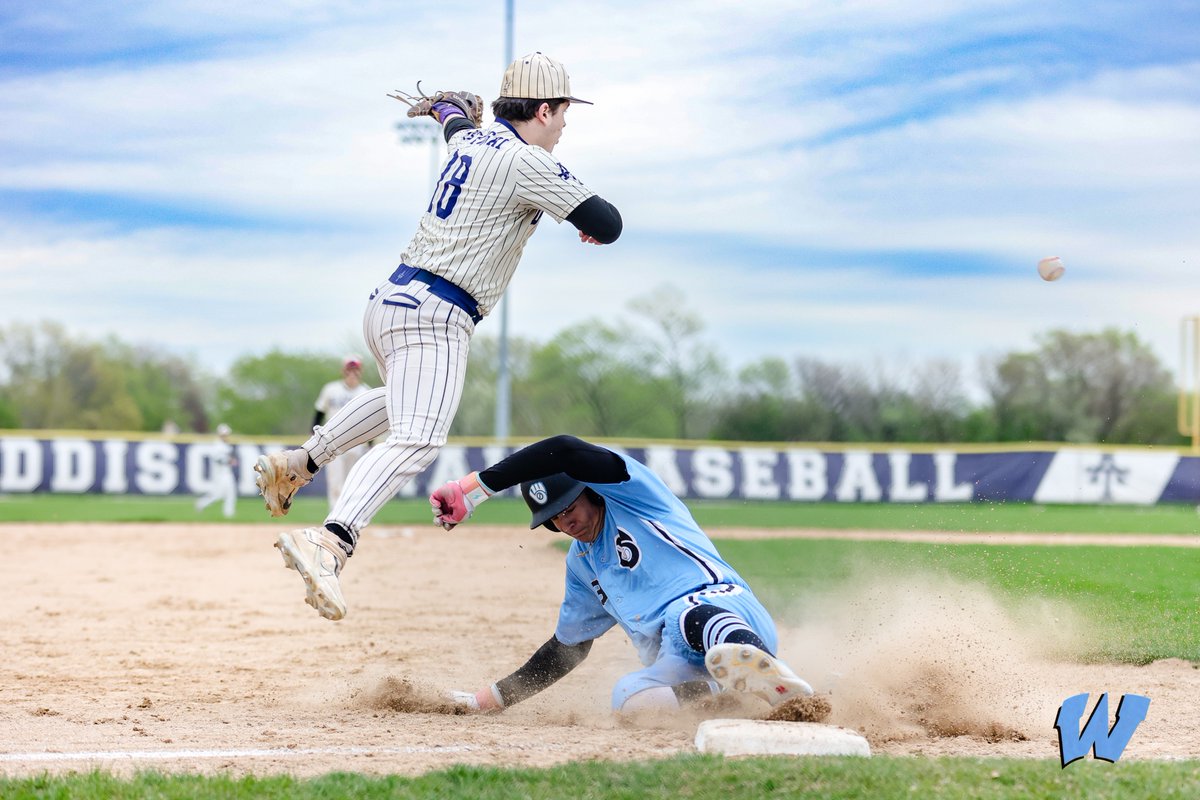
{"x":706,"y":626}
{"x":343,"y":535}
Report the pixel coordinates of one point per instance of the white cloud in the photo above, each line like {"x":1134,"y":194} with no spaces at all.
{"x":764,"y":123}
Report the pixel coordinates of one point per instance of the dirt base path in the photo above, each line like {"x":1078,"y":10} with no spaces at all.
{"x":189,"y":647}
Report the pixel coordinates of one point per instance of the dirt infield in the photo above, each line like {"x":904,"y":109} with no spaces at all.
{"x":189,"y":647}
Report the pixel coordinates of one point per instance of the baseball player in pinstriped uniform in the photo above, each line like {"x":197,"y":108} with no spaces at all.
{"x":332,"y":397}
{"x":639,"y":560}
{"x":223,"y":483}
{"x":495,"y":187}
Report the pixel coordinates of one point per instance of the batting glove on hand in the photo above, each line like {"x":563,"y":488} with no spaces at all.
{"x":485,"y":701}
{"x":453,"y":502}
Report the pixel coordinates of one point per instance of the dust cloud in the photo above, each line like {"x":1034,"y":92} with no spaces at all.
{"x":921,"y":655}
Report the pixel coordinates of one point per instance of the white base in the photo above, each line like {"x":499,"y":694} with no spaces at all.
{"x":747,"y":737}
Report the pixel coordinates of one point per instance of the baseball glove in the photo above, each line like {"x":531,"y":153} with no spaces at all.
{"x":421,"y":105}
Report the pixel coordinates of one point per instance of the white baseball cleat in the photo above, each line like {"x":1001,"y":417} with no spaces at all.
{"x":745,"y":668}
{"x":279,"y":476}
{"x":317,"y":556}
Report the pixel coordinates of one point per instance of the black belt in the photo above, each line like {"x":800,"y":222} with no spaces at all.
{"x":438,"y":286}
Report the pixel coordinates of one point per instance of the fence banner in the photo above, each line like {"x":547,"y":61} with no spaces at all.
{"x":70,"y":465}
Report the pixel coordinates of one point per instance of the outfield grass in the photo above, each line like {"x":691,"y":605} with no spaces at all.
{"x":691,"y":777}
{"x":981,"y":517}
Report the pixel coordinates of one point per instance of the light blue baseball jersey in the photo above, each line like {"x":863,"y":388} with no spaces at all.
{"x":649,"y":553}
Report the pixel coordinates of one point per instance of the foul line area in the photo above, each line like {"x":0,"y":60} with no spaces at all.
{"x":248,"y":752}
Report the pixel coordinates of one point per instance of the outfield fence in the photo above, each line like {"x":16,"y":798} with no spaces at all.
{"x":89,"y":463}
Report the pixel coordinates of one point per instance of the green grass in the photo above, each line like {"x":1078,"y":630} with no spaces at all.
{"x":1137,"y":604}
{"x":688,"y":777}
{"x":982,"y":517}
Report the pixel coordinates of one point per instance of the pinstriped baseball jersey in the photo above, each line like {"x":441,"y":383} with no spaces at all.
{"x":649,"y":553}
{"x":492,"y":192}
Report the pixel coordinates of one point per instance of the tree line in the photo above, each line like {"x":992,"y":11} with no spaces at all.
{"x":648,"y":374}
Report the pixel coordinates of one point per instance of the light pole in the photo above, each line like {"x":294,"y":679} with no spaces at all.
{"x":420,"y":131}
{"x":503,"y":382}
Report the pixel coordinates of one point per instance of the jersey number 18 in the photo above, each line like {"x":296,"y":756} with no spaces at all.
{"x":448,"y":189}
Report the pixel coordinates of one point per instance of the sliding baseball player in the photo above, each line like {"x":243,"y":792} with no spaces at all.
{"x":638,"y":561}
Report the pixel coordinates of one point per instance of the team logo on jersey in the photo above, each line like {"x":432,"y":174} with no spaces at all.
{"x":537,"y":492}
{"x":562,"y":172}
{"x":628,"y":552}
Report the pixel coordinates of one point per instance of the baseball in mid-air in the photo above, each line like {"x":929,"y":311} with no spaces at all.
{"x":1051,"y":269}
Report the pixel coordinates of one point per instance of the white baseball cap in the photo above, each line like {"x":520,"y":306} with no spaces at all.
{"x":537,"y":77}
{"x":223,"y":430}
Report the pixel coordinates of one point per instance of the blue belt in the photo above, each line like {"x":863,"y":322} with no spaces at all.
{"x":438,"y":286}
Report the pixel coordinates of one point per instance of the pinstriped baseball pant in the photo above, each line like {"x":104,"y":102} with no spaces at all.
{"x":420,"y":343}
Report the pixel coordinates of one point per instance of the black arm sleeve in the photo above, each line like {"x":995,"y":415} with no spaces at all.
{"x":582,"y":460}
{"x":598,"y":218}
{"x":318,"y":418}
{"x":552,"y":661}
{"x":454,"y":125}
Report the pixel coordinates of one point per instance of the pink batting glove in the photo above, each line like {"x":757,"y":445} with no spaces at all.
{"x":448,"y":504}
{"x":455,"y":501}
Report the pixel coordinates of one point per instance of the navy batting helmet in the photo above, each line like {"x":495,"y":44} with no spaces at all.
{"x":548,"y":497}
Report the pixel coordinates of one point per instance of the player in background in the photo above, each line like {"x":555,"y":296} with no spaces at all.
{"x":222,"y":485}
{"x":496,"y":186}
{"x":332,"y":397}
{"x":640,"y":561}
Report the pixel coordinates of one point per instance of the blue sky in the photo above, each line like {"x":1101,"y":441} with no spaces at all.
{"x":859,"y":182}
